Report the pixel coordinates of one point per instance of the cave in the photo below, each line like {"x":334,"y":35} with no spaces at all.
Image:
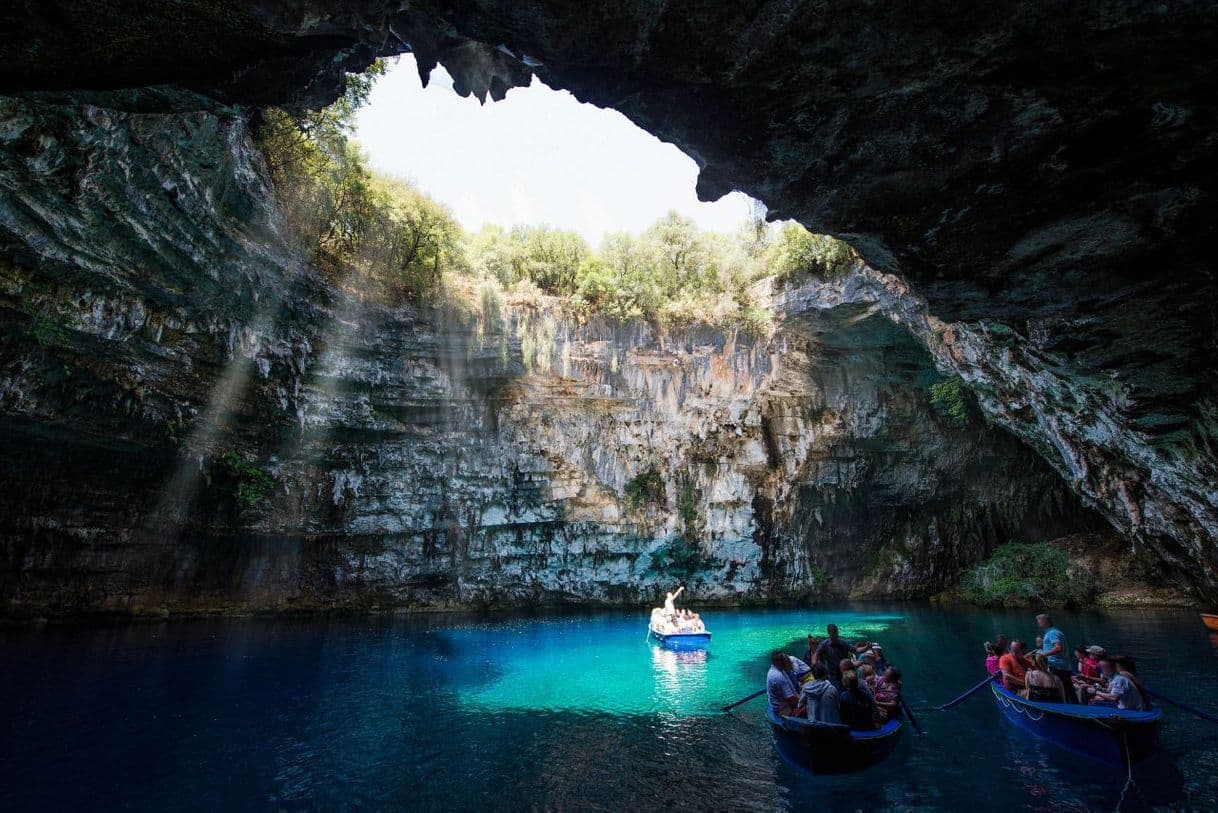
{"x":198,"y":421}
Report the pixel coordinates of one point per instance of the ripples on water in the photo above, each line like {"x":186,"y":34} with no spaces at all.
{"x":565,"y":712}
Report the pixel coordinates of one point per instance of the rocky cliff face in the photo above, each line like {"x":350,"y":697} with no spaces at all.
{"x":194,"y":421}
{"x":1042,"y":176}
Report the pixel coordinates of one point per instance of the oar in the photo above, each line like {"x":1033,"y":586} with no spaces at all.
{"x":967,"y":694}
{"x":744,"y":700}
{"x":1195,"y":711}
{"x":912,"y":719}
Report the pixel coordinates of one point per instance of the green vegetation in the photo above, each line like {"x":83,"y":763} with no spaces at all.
{"x":949,"y":396}
{"x":382,"y":238}
{"x":680,"y":558}
{"x":1021,"y":575}
{"x":688,"y":498}
{"x":252,"y":485}
{"x":646,"y":488}
{"x":46,"y":330}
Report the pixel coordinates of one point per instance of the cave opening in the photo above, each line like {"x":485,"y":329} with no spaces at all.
{"x":465,"y":388}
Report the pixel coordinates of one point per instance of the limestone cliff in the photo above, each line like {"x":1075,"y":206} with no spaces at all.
{"x":193,"y":420}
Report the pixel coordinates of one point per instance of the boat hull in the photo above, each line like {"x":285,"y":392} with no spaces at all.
{"x":1107,"y":735}
{"x":1210,"y":621}
{"x":824,"y":748}
{"x":682,"y":640}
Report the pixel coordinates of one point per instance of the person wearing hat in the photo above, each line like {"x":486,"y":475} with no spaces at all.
{"x":1088,"y":670}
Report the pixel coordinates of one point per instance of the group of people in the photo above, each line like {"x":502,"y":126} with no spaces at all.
{"x":1046,"y":675}
{"x":669,"y":620}
{"x":836,"y":682}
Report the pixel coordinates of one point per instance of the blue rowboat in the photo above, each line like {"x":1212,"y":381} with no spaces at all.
{"x":1109,"y":735}
{"x":829,"y":748}
{"x":681,"y":640}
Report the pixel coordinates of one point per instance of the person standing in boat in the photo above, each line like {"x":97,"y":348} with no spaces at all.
{"x":831,"y":652}
{"x":1056,"y":652}
{"x":670,"y":604}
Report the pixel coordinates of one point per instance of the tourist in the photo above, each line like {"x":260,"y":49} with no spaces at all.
{"x":810,"y":651}
{"x":831,"y":652}
{"x":1089,"y":670}
{"x":1054,"y":648}
{"x":854,"y":706}
{"x":820,"y":697}
{"x":991,"y":659}
{"x":881,"y":663}
{"x":1013,"y":666}
{"x":888,"y":692}
{"x":1002,"y":644}
{"x":1122,"y":690}
{"x":670,"y":603}
{"x":866,"y":677}
{"x":1042,"y":686}
{"x":781,"y":686}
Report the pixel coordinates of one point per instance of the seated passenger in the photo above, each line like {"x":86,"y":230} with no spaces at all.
{"x":1123,"y":690}
{"x":854,"y":706}
{"x":1013,"y":666}
{"x":1042,"y":686}
{"x":781,"y":687}
{"x":820,"y":696}
{"x":881,"y":663}
{"x":866,"y":678}
{"x":888,"y":692}
{"x":991,"y":659}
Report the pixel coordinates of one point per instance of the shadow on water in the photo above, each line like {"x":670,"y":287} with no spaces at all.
{"x":557,"y":712}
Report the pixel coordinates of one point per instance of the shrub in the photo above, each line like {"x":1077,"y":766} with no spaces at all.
{"x":949,"y":396}
{"x":252,"y":485}
{"x":688,"y":503}
{"x":680,"y":558}
{"x":646,"y":488}
{"x":1020,"y":575}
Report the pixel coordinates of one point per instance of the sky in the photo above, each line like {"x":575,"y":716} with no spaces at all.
{"x":539,"y":156}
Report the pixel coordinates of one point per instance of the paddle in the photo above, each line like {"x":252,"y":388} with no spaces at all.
{"x":912,"y":719}
{"x":744,"y":700}
{"x":1197,"y":712}
{"x":967,"y":694}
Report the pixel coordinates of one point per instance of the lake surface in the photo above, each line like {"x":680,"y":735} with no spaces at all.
{"x":574,"y":712}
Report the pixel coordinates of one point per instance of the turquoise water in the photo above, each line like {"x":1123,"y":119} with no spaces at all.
{"x":547,"y":712}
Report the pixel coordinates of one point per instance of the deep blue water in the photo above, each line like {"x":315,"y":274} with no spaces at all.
{"x":551,"y":712}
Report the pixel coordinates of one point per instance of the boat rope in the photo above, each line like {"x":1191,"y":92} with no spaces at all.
{"x":1128,"y":769}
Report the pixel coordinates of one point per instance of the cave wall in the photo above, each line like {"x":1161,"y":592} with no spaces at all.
{"x":155,"y":321}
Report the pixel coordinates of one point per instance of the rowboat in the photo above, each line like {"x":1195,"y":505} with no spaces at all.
{"x":830,"y":748}
{"x":1109,"y":735}
{"x":681,"y":640}
{"x":1210,"y":621}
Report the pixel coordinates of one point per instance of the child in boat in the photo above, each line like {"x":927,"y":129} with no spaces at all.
{"x":1041,"y":685}
{"x":819,"y":697}
{"x":888,"y":692}
{"x":991,"y":658}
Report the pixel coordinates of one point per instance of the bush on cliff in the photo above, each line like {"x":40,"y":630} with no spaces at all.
{"x":1019,"y":575}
